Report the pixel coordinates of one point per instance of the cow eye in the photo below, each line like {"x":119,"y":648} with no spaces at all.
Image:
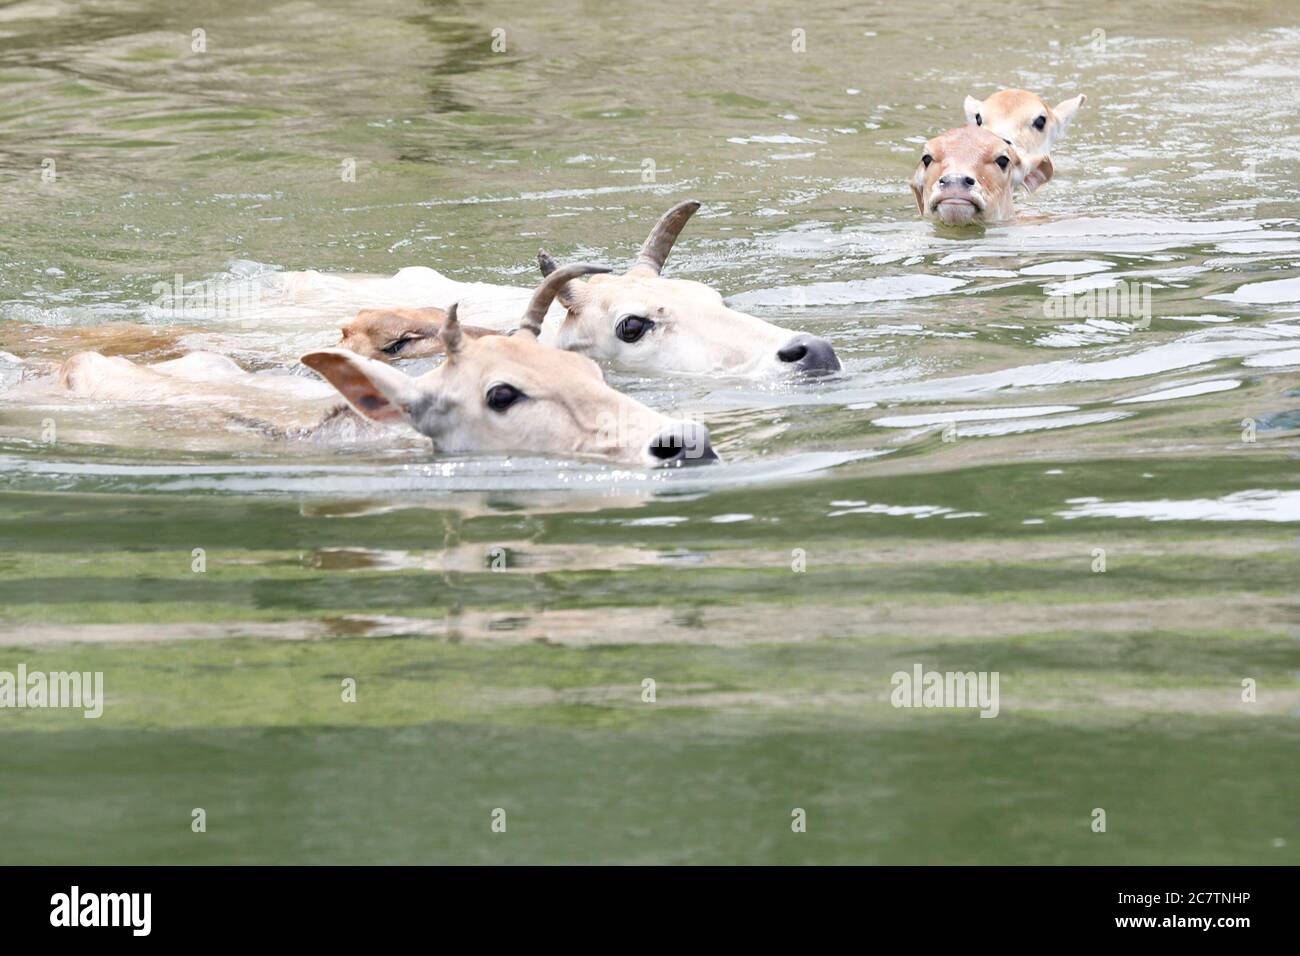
{"x":1040,"y":122}
{"x":1003,"y":161}
{"x":926,"y":160}
{"x":979,"y":120}
{"x":392,"y":348}
{"x":630,"y":328}
{"x":501,"y":397}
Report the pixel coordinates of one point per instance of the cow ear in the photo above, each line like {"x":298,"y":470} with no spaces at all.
{"x":974,"y":111}
{"x":1036,"y":170}
{"x":377,"y":391}
{"x":918,"y":190}
{"x":1066,"y":109}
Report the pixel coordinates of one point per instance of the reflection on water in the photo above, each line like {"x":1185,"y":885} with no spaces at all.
{"x":1253,"y":505}
{"x":1109,"y":382}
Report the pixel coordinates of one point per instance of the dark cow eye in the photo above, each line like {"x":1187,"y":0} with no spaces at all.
{"x":979,"y":120}
{"x":501,"y":397}
{"x":1040,"y":122}
{"x":392,"y":348}
{"x":630,"y":328}
{"x":1004,"y":161}
{"x":926,"y":160}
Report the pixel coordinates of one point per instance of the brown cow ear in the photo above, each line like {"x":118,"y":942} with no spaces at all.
{"x":377,"y":391}
{"x":1038,"y":171}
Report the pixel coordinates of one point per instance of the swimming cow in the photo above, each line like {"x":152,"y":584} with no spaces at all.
{"x":639,"y":320}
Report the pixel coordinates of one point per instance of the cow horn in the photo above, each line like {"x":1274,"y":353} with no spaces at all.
{"x":654,"y":252}
{"x":547,"y":291}
{"x":570,"y":295}
{"x":546,"y":262}
{"x":450,"y":333}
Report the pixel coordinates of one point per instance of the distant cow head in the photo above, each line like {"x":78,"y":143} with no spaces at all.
{"x":649,"y":323}
{"x":503,"y":393}
{"x":1022,"y":117}
{"x":391,"y":334}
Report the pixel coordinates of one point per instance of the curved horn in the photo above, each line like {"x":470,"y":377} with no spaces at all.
{"x":547,"y":291}
{"x":546,"y":262}
{"x":654,"y":252}
{"x":569,"y":294}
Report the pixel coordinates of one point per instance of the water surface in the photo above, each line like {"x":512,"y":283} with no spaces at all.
{"x":946,"y":496}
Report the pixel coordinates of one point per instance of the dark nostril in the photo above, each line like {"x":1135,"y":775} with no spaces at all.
{"x":968,"y":181}
{"x":683,"y":443}
{"x":668,"y":447}
{"x":792,"y":353}
{"x":808,"y":353}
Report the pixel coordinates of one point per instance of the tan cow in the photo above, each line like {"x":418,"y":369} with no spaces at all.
{"x":500,"y":393}
{"x":1022,"y":117}
{"x":638,"y":320}
{"x":968,"y":175}
{"x":496,"y":393}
